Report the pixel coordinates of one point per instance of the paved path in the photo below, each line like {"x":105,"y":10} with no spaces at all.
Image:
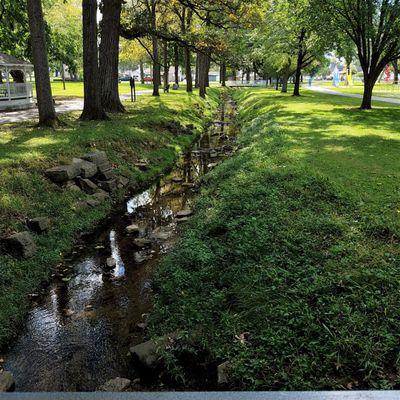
{"x":62,"y":106}
{"x":320,"y":89}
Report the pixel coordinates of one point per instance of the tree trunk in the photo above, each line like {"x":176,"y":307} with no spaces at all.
{"x":109,"y":55}
{"x":369,"y":84}
{"x":396,"y":72}
{"x":47,"y":113}
{"x":285,"y":80}
{"x":92,"y":109}
{"x":63,"y":75}
{"x":296,"y":91}
{"x":196,"y":79}
{"x":188,"y":70}
{"x":166,"y":65}
{"x":156,"y":67}
{"x":176,"y":64}
{"x":234,"y":74}
{"x":141,"y":66}
{"x":207,"y":73}
{"x":248,"y":75}
{"x":277,"y":83}
{"x":223,"y":74}
{"x":202,"y":59}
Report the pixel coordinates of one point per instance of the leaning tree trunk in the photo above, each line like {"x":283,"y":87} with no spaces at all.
{"x":223,"y":74}
{"x":109,"y":55}
{"x":156,"y":67}
{"x":92,"y":108}
{"x":47,"y":113}
{"x":141,"y":72}
{"x":188,"y":70}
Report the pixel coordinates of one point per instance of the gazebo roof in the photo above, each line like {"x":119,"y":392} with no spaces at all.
{"x":6,"y":60}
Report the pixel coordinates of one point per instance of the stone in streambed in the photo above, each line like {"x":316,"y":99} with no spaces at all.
{"x":108,"y":186}
{"x":7,"y":382}
{"x":177,"y":179}
{"x":145,"y":353}
{"x":116,"y":385}
{"x":131,"y":229}
{"x":20,"y":245}
{"x":111,"y":262}
{"x":184,"y":213}
{"x":223,"y":373}
{"x":39,"y":225}
{"x":142,"y":243}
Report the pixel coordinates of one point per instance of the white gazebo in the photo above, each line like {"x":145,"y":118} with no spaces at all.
{"x":15,"y":95}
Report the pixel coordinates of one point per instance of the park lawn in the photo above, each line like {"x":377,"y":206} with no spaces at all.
{"x":75,"y":89}
{"x":289,"y":268}
{"x":25,"y":152}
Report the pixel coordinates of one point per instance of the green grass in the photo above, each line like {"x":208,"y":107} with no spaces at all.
{"x":75,"y":89}
{"x":25,"y":152}
{"x":289,"y":269}
{"x":380,"y":89}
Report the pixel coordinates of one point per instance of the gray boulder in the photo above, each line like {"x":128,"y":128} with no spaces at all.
{"x":88,"y":186}
{"x":93,"y":203}
{"x":7,"y":382}
{"x":39,"y":225}
{"x":184,"y":213}
{"x":100,"y":159}
{"x":142,"y":243}
{"x":109,"y":186}
{"x":62,"y":173}
{"x":145,"y":353}
{"x":111,"y":262}
{"x":20,"y":245}
{"x":116,"y":385}
{"x":86,"y":169}
{"x":132,"y":229}
{"x":101,"y":195}
{"x":223,"y":373}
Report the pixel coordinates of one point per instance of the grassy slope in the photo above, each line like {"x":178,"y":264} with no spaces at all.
{"x":26,"y":152}
{"x":290,"y":267}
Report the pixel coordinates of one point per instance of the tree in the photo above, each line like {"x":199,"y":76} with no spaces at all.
{"x":92,"y":108}
{"x":47,"y":113}
{"x":109,"y":53}
{"x":374,"y":27}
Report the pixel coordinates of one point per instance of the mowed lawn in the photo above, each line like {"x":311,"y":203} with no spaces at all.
{"x":289,"y":271}
{"x":357,"y":150}
{"x":75,"y":89}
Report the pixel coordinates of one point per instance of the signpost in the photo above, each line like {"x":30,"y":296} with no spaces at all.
{"x":133,"y":89}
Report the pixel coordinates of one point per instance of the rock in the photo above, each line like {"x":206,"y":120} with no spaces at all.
{"x":80,"y":205}
{"x":62,"y":173}
{"x":108,"y":186}
{"x":182,"y":220}
{"x":162,"y":233}
{"x":145,"y":353}
{"x":93,"y":203}
{"x":88,"y":186}
{"x":100,"y":159}
{"x":20,"y":245}
{"x":86,"y":169}
{"x":111,"y":262}
{"x":142,"y":243}
{"x":212,"y":165}
{"x":7,"y":382}
{"x":123,"y":181}
{"x":132,"y":229}
{"x":143,"y":166}
{"x":175,"y":86}
{"x":39,"y":225}
{"x":189,"y":184}
{"x":213,"y":154}
{"x":223,"y":371}
{"x":177,"y":179}
{"x":116,"y":385}
{"x":141,"y":325}
{"x":73,"y":186}
{"x":101,"y":195}
{"x":184,"y":213}
{"x":107,"y":175}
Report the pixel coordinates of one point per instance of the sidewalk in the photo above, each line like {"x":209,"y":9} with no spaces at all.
{"x":320,"y":89}
{"x":61,"y":106}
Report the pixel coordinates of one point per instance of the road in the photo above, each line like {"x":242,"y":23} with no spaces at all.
{"x":320,"y":89}
{"x":61,"y":106}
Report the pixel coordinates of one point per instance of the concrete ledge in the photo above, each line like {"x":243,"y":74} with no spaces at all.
{"x":334,"y":395}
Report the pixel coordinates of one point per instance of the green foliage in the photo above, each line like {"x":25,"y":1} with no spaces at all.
{"x":289,"y":268}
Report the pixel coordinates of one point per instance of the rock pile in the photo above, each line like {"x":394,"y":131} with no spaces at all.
{"x":92,"y":173}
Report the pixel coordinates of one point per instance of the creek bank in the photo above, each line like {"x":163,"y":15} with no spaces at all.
{"x":101,"y":295}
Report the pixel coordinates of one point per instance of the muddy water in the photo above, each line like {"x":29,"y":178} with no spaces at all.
{"x":78,"y":335}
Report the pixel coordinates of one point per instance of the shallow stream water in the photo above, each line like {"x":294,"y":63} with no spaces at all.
{"x":77,"y":336}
